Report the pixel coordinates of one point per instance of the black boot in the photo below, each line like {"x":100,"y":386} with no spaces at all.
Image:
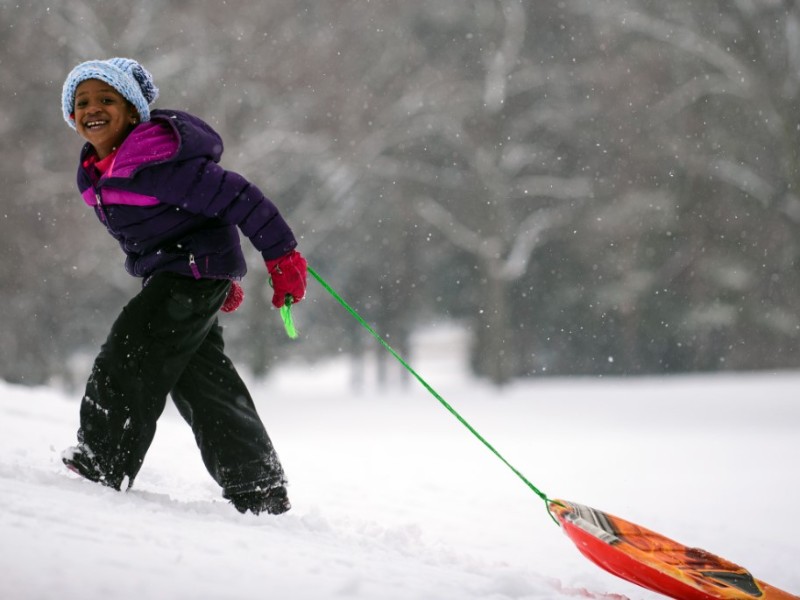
{"x":80,"y":460}
{"x":273,"y":501}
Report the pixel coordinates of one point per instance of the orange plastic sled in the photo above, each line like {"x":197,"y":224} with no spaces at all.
{"x":655,"y":562}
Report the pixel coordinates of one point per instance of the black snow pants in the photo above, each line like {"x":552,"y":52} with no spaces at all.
{"x":167,"y":340}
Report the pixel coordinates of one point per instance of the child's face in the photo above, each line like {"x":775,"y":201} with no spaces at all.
{"x":103,"y":117}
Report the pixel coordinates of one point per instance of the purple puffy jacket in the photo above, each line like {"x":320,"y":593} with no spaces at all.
{"x":173,"y":208}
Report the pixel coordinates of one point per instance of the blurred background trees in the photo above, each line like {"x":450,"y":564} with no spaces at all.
{"x":588,"y":186}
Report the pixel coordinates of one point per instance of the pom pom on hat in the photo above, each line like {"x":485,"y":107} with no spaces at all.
{"x":125,"y":75}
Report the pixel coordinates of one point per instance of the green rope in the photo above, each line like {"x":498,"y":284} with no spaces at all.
{"x":430,"y":389}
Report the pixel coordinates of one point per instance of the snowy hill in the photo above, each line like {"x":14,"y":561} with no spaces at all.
{"x":394,"y":499}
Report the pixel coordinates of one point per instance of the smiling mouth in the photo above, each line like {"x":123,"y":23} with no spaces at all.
{"x":94,"y":124}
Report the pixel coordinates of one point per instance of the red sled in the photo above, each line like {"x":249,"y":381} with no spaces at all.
{"x":655,"y":562}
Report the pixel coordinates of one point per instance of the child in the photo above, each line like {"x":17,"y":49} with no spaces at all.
{"x":154,"y":181}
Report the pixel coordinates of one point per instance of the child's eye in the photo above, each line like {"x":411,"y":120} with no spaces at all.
{"x":105,"y":101}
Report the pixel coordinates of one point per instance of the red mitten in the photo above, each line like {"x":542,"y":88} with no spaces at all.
{"x":288,"y":277}
{"x":234,"y":299}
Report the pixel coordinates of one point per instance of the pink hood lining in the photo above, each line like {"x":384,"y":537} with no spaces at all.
{"x":150,"y":142}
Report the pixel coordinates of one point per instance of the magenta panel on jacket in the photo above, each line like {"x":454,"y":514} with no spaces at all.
{"x":154,"y":142}
{"x":115,"y":196}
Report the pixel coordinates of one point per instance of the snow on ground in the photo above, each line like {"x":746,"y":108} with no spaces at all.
{"x":394,"y":499}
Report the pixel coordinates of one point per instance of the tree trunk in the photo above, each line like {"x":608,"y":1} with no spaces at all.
{"x":490,"y":357}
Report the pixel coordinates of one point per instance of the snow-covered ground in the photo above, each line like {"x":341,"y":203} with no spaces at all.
{"x":394,"y":499}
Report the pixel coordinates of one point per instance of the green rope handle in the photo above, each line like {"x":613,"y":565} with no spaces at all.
{"x":432,"y":391}
{"x":286,"y":316}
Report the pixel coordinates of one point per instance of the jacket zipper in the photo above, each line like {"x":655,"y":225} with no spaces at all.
{"x":103,"y":215}
{"x":101,"y":208}
{"x":193,"y":266}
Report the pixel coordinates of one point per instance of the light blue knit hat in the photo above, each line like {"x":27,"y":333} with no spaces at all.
{"x":125,"y":75}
